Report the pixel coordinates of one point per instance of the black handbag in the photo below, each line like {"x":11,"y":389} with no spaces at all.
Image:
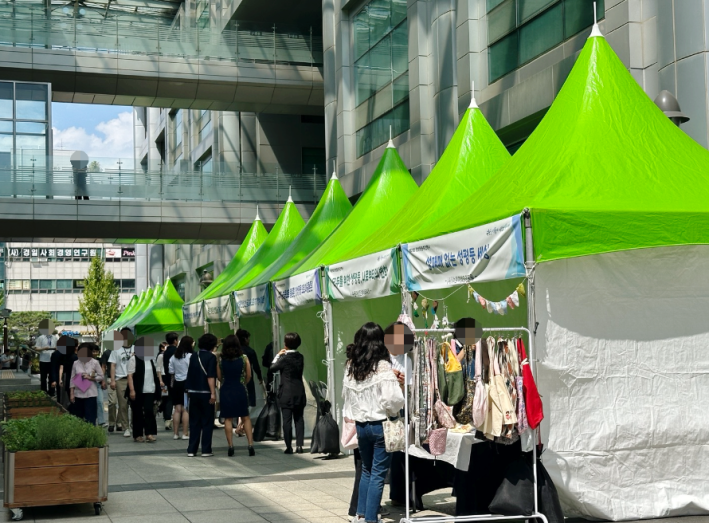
{"x":515,"y":495}
{"x":326,"y":434}
{"x":549,"y":504}
{"x":268,"y":424}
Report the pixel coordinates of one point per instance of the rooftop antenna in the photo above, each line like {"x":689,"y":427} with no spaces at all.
{"x":596,"y":31}
{"x":334,"y":170}
{"x":473,"y":103}
{"x":290,"y":198}
{"x":258,"y":218}
{"x":390,"y":145}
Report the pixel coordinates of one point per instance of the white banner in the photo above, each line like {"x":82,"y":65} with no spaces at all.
{"x":193,"y":315}
{"x":219,"y":310}
{"x":301,"y":290}
{"x":490,"y":252}
{"x":253,"y":301}
{"x":371,"y":276}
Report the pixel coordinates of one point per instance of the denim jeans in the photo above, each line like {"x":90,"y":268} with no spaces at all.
{"x":101,"y":413}
{"x":375,"y":465}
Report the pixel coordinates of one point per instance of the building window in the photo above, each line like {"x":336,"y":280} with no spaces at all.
{"x":24,"y":120}
{"x":204,"y":124}
{"x":177,"y":135}
{"x":313,"y":157}
{"x":179,"y":283}
{"x":381,"y":71}
{"x":521,"y":30}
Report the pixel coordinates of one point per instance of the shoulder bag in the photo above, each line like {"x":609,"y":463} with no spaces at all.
{"x":532,"y":400}
{"x":480,"y":399}
{"x":394,"y":435}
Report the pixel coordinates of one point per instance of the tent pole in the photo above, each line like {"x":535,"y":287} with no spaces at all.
{"x":406,"y":303}
{"x":531,"y":321}
{"x":329,"y":345}
{"x":275,"y":327}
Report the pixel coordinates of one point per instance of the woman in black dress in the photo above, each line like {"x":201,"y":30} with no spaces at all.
{"x":234,"y":372}
{"x":291,"y":393}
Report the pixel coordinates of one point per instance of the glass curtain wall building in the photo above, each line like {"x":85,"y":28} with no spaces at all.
{"x":25,"y":124}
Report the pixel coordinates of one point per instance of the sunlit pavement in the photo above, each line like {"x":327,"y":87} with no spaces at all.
{"x":157,"y":482}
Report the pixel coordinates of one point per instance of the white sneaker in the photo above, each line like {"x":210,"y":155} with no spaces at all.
{"x":127,"y":433}
{"x":168,"y":424}
{"x":190,"y":455}
{"x":176,"y":437}
{"x":185,"y":436}
{"x":207,"y":455}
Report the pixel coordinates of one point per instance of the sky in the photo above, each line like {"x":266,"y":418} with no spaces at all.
{"x":102,"y":131}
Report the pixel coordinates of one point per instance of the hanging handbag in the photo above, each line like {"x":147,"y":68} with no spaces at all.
{"x":532,"y":400}
{"x":444,"y":416}
{"x":437,"y":442}
{"x":496,"y":391}
{"x":349,"y":434}
{"x":509,"y":410}
{"x":464,"y":410}
{"x":394,"y":435}
{"x":480,"y":399}
{"x":452,"y":376}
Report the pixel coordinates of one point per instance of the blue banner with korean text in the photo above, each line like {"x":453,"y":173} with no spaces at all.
{"x":372,"y":276}
{"x":490,"y":252}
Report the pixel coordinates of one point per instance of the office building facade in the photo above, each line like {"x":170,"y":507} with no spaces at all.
{"x":25,"y":125}
{"x":50,"y":277}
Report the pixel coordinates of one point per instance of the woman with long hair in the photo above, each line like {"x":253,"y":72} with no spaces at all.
{"x":177,"y":368}
{"x":371,"y":394}
{"x":234,"y":372}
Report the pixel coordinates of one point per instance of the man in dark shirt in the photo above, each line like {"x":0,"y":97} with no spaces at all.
{"x":171,"y":339}
{"x":244,"y":339}
{"x":201,"y":388}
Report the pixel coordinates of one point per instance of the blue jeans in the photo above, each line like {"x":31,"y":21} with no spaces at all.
{"x":375,"y":465}
{"x":99,"y":405}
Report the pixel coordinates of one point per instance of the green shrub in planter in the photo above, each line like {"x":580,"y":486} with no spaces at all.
{"x":51,"y":432}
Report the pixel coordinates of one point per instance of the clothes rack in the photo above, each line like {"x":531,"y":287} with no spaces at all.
{"x":481,"y":517}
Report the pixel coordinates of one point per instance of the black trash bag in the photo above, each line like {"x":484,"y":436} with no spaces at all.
{"x":268,"y":424}
{"x":326,"y":434}
{"x":549,"y":504}
{"x":515,"y":495}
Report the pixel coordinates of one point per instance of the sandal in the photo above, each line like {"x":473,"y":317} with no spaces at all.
{"x":139,"y":439}
{"x":152,"y":439}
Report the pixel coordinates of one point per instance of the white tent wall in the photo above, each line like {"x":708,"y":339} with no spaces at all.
{"x":312,"y":336}
{"x":623,"y":372}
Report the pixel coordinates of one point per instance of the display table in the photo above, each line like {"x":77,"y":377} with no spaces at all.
{"x":458,"y":446}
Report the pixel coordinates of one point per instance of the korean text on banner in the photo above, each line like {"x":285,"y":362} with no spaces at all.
{"x":219,"y":310}
{"x":490,"y":252}
{"x":372,"y":276}
{"x":253,"y":301}
{"x":301,"y":290}
{"x":193,"y":314}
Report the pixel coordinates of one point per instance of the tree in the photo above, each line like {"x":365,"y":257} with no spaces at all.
{"x":94,"y":167}
{"x":99,"y":304}
{"x":2,"y":299}
{"x":26,"y":323}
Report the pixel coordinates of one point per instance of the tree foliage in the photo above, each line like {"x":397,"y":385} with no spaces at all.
{"x":26,"y":323}
{"x":94,"y":167}
{"x":99,"y":304}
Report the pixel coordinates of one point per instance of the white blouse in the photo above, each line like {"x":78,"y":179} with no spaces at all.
{"x":179,"y":367}
{"x":373,"y":399}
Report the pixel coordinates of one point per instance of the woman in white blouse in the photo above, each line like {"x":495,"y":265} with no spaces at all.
{"x":177,"y":369}
{"x":371,"y":393}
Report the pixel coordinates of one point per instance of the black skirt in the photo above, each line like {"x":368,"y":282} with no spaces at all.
{"x":178,"y":393}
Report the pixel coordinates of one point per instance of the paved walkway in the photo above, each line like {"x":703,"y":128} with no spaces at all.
{"x":158,"y":483}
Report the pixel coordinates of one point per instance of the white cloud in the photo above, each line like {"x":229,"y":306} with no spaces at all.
{"x":110,"y":139}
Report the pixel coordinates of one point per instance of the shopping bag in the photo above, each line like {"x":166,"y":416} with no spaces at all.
{"x":349,"y":434}
{"x":532,"y":400}
{"x":268,"y":424}
{"x":515,"y":495}
{"x":326,"y":436}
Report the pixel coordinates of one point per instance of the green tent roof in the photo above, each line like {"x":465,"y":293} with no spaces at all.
{"x":285,"y":230}
{"x":387,"y":192}
{"x":331,"y":210}
{"x":254,"y":239}
{"x":152,"y":296}
{"x":164,"y":315}
{"x":473,"y":155}
{"x":604,"y":171}
{"x":144,"y":299}
{"x":126,"y":312}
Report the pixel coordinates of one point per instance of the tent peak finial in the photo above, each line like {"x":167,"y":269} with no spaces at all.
{"x":596,"y":31}
{"x":473,"y":103}
{"x":290,"y":194}
{"x":334,"y":171}
{"x":258,"y":218}
{"x":390,"y":145}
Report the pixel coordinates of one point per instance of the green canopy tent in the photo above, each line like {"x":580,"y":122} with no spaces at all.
{"x":329,"y":213}
{"x":284,"y":231}
{"x":386,"y":193}
{"x":164,"y":315}
{"x":618,"y":200}
{"x":193,"y":311}
{"x":152,"y":296}
{"x":126,"y":311}
{"x":143,"y":302}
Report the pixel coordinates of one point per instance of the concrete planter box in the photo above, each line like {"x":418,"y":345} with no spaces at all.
{"x":55,"y":477}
